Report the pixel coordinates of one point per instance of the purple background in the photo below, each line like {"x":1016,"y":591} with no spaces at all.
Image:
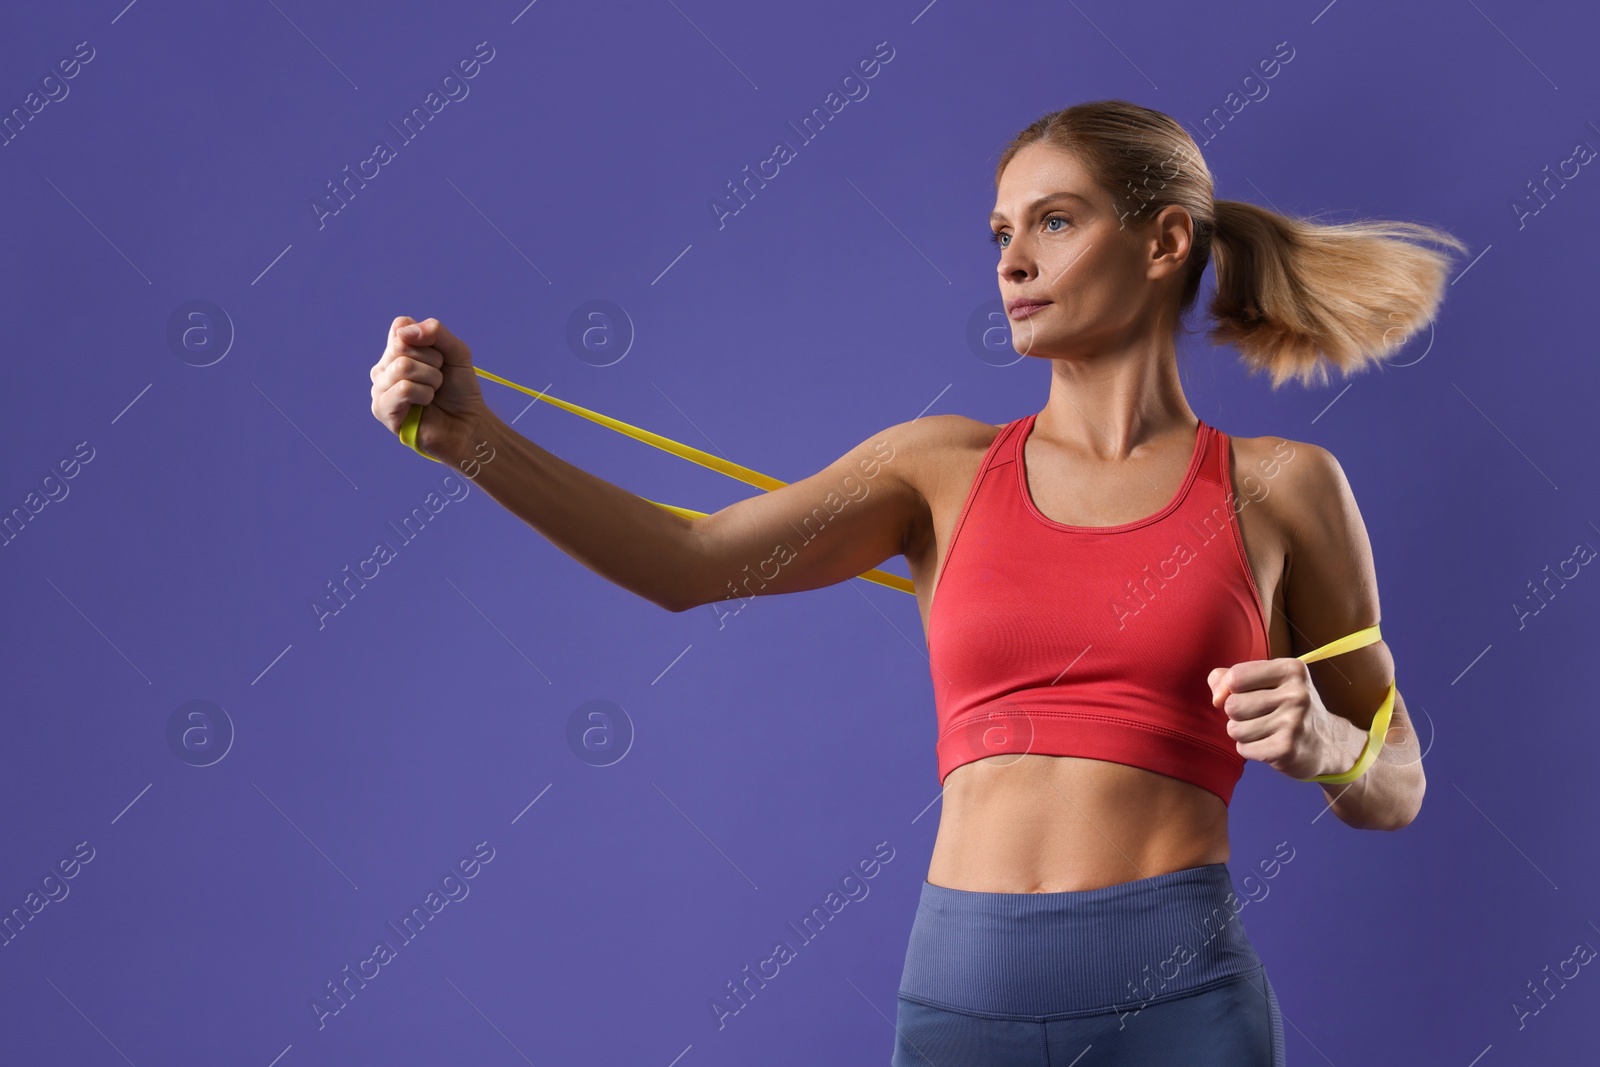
{"x":771,"y":753}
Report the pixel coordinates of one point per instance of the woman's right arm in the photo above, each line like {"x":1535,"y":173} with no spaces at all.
{"x":829,"y":527}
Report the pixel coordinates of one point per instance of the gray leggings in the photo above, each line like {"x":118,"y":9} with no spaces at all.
{"x":1153,"y":972}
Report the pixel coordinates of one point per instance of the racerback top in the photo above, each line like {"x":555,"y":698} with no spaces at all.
{"x":1093,"y":641}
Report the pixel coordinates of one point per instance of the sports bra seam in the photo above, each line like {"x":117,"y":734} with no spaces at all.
{"x":984,"y":469}
{"x":1116,"y":720}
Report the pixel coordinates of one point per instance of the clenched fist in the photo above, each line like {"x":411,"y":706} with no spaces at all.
{"x":1276,"y":715}
{"x":426,"y":364}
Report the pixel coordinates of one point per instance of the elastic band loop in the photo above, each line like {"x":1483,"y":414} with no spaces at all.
{"x":1380,"y":721}
{"x":408,"y":435}
{"x":408,"y":431}
{"x":1369,"y":752}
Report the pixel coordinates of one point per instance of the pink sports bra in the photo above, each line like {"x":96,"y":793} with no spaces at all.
{"x":1093,"y":640}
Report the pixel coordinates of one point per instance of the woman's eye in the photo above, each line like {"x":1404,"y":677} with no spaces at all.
{"x":1001,"y":238}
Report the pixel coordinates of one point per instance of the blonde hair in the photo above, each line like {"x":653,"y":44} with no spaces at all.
{"x":1293,"y":295}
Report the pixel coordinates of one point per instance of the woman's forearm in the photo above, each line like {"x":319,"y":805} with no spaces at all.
{"x":618,"y":535}
{"x":1389,"y":794}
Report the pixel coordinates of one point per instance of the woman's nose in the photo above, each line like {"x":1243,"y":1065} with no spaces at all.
{"x":1014,"y":268}
{"x":1015,"y":263}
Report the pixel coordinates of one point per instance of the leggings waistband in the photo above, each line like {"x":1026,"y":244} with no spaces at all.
{"x":1079,"y":952}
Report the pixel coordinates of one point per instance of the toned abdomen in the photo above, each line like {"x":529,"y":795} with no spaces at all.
{"x":1042,"y":824}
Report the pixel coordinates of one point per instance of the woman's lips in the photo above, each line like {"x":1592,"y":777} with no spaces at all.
{"x":1022,"y":311}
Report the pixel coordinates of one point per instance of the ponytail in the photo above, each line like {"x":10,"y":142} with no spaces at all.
{"x":1295,"y":296}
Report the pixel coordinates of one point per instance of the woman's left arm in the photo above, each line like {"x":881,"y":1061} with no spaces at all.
{"x":1311,"y":719}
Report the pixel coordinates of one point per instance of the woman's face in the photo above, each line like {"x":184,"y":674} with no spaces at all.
{"x":1063,"y":240}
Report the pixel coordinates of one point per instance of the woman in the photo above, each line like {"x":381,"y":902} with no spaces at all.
{"x":1119,"y":626}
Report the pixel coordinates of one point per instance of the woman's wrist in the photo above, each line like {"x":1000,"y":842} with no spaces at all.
{"x":479,"y":445}
{"x":1348,"y":744}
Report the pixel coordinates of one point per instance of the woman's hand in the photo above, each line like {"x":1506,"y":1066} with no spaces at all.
{"x":426,"y":364}
{"x":1275,"y":716}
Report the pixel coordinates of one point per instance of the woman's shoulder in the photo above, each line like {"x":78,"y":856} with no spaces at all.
{"x":1300,"y":483}
{"x":1283,"y":460}
{"x":939,"y":437}
{"x":939,"y":450}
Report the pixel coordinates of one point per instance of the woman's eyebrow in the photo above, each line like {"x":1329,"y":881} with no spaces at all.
{"x":999,"y":216}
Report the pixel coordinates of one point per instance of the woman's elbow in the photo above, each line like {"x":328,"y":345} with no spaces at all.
{"x":1404,"y":814}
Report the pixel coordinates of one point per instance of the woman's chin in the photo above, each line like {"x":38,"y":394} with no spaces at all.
{"x":1029,"y":342}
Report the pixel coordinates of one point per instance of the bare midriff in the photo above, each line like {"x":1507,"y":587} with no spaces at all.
{"x":1044,"y":824}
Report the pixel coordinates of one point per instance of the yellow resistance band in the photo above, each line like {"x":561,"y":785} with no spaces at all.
{"x":1380,"y":721}
{"x":1359,"y":639}
{"x":408,"y":434}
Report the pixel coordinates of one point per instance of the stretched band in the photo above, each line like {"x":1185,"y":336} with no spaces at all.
{"x":1349,"y":643}
{"x":408,"y":435}
{"x":1359,"y":639}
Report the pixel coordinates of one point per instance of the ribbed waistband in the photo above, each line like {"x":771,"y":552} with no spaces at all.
{"x":1079,"y":952}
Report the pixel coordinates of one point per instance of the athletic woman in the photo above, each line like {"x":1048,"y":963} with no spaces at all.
{"x":1123,"y":594}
